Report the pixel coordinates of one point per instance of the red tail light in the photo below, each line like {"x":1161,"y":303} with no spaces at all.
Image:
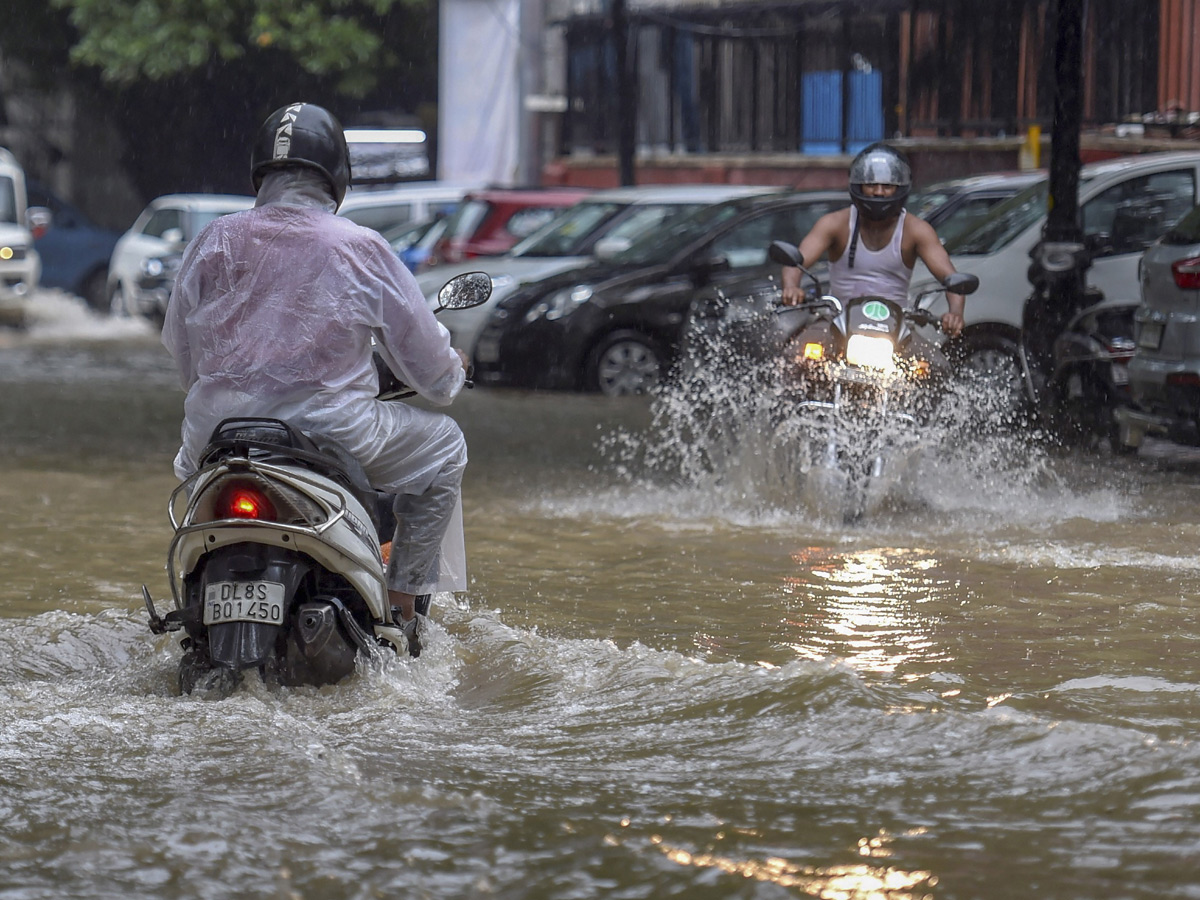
{"x":1184,"y":379}
{"x":1187,"y":273}
{"x":244,"y":501}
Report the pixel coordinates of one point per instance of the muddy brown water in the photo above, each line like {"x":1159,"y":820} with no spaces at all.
{"x":655,"y":687}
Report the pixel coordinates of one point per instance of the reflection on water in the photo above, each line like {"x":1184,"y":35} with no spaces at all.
{"x":863,"y":607}
{"x":665,"y":679}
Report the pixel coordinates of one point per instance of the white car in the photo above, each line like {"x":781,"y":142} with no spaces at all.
{"x":384,"y":208}
{"x":599,"y":226}
{"x":1124,"y":205}
{"x":157,"y":236}
{"x":20,"y":266}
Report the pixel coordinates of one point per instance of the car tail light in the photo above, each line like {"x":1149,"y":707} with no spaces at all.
{"x":1187,"y":273}
{"x":1183,"y":379}
{"x":240,"y":500}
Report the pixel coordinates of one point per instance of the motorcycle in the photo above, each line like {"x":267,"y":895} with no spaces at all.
{"x":277,"y":563}
{"x":1074,"y":357}
{"x":860,"y":383}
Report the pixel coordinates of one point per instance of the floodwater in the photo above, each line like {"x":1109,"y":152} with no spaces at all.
{"x":658,"y":685}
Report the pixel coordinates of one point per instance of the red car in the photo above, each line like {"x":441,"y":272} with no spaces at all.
{"x":489,"y":222}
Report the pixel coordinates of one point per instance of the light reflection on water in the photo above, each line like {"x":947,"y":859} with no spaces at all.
{"x":656,"y":686}
{"x":869,"y":608}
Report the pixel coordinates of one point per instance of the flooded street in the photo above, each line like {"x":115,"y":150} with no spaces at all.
{"x":656,"y":686}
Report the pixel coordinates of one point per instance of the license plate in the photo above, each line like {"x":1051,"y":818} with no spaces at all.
{"x":1150,"y":335}
{"x":243,"y":601}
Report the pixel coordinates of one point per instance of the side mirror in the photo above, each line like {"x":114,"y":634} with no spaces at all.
{"x":465,"y":291}
{"x":174,"y":236}
{"x":38,"y":219}
{"x":785,"y":254}
{"x":961,"y":283}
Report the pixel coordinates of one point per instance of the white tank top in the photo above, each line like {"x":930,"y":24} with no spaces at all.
{"x":876,"y":273}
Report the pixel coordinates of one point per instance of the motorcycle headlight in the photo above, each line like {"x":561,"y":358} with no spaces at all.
{"x":869,"y":351}
{"x":559,"y":304}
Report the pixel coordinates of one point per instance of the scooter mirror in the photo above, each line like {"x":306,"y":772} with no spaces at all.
{"x":962,"y":283}
{"x":465,"y":291}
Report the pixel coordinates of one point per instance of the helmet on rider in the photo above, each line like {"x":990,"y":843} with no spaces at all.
{"x":302,"y":134}
{"x":879,"y":164}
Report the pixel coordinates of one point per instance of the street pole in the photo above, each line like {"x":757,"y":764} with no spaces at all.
{"x":1060,"y":260}
{"x":626,"y":98}
{"x":1062,"y":222}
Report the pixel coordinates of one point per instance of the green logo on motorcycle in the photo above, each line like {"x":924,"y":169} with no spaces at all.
{"x":876,"y":311}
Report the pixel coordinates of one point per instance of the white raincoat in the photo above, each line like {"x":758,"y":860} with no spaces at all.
{"x":273,"y":313}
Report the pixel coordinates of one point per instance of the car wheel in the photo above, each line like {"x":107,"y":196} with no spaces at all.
{"x":625,"y":363}
{"x":95,"y":290}
{"x":992,"y":361}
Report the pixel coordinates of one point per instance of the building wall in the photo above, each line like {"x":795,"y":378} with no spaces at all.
{"x":1179,"y":55}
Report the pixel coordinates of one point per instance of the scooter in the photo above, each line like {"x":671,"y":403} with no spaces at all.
{"x":1074,"y":357}
{"x":862,"y":382}
{"x":277,"y":563}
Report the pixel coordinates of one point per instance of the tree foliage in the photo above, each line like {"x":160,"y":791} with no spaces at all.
{"x":338,"y":40}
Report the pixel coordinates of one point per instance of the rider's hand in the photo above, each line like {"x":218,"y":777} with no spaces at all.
{"x":952,"y":324}
{"x":793,"y":295}
{"x":466,"y":362}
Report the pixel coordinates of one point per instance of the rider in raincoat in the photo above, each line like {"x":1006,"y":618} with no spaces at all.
{"x":273,"y":314}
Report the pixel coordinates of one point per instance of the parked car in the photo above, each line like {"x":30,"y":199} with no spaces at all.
{"x":1124,"y":205}
{"x":75,"y":251}
{"x":386,"y":208}
{"x":161,"y":231}
{"x":413,"y":241}
{"x":1164,"y":374}
{"x":956,"y":206}
{"x":601,"y":225}
{"x":489,"y":222}
{"x":20,"y":265}
{"x":616,"y":325}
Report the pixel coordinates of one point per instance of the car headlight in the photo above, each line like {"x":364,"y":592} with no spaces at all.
{"x":12,"y":251}
{"x":869,"y":351}
{"x":559,"y":304}
{"x":152,"y":267}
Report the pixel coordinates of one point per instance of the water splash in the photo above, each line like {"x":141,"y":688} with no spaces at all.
{"x":723,"y":428}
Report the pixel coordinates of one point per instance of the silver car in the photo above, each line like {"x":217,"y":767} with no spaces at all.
{"x":1164,"y":374}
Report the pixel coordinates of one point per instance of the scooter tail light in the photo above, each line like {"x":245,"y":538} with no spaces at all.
{"x":1186,"y":273}
{"x":243,"y":500}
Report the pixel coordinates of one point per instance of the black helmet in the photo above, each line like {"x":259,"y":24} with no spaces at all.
{"x":302,"y":134}
{"x":880,"y":164}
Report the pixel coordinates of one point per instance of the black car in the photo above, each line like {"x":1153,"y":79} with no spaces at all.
{"x":616,"y":326}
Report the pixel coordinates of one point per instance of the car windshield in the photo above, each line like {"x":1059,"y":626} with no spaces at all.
{"x":563,"y":235}
{"x":465,"y":219}
{"x":1002,"y":225}
{"x":199,"y":218}
{"x":659,"y":246}
{"x":8,"y":200}
{"x":922,"y":203}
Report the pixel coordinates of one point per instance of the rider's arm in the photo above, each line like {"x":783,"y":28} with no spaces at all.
{"x":937,"y":260}
{"x":814,"y":245}
{"x":415,"y":345}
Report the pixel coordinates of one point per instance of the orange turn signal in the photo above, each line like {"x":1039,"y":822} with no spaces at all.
{"x":814,"y":351}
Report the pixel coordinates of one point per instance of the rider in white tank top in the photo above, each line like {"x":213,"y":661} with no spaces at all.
{"x":874,"y":273}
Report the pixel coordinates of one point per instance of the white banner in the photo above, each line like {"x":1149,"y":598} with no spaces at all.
{"x":478,"y":91}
